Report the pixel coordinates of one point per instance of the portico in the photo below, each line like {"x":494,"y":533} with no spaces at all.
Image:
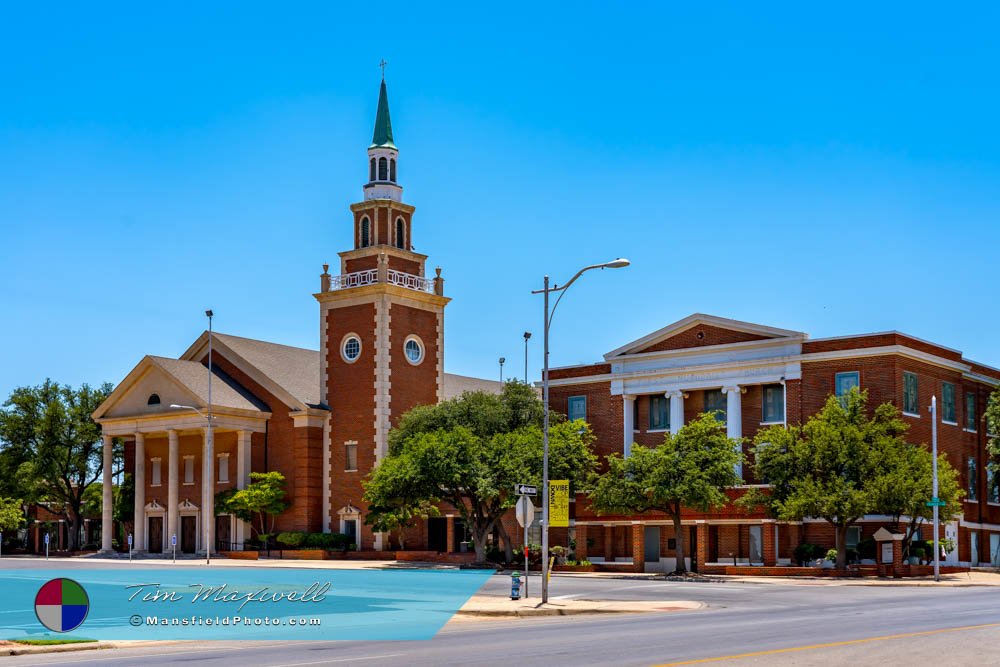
{"x":174,"y":483}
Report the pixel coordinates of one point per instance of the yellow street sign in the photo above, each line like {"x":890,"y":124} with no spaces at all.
{"x":558,"y":503}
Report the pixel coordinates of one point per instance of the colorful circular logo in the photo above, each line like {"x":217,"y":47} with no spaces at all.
{"x":61,"y":605}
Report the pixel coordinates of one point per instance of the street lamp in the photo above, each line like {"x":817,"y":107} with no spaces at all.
{"x":527,"y":335}
{"x":619,"y":263}
{"x":502,"y":361}
{"x":208,"y":501}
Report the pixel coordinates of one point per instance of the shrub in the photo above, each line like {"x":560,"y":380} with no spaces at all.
{"x":292,"y":539}
{"x":831,"y":554}
{"x":867,"y":548}
{"x":332,"y":541}
{"x":807,"y":552}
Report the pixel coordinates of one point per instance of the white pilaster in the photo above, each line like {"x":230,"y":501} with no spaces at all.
{"x":139,"y":480}
{"x":243,"y":455}
{"x":107,"y":499}
{"x":172,"y":455}
{"x":208,"y":492}
{"x":628,"y":406}
{"x":734,"y":418}
{"x":676,"y":410}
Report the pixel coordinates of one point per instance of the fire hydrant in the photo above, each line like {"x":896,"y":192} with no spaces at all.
{"x":515,"y":585}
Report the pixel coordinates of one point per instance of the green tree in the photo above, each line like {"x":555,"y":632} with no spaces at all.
{"x":259,"y":503}
{"x":469,"y":452}
{"x":907,"y":484}
{"x":692,"y":469}
{"x":993,"y":422}
{"x":833,"y":467}
{"x":11,"y":514}
{"x":49,"y":438}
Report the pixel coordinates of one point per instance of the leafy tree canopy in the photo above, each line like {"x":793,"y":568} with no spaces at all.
{"x":692,"y":469}
{"x":259,"y":503}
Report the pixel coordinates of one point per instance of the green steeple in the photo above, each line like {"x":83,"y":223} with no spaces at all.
{"x":383,"y":126}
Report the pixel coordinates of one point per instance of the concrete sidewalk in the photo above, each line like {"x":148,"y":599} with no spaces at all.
{"x":488,"y":606}
{"x":974,"y":578}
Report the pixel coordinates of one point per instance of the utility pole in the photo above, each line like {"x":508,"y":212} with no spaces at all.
{"x":934,"y":489}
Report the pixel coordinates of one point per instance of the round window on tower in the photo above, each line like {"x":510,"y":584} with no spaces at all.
{"x":414,"y":350}
{"x":350,"y":348}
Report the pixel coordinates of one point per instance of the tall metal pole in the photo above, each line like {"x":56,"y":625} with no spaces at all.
{"x":545,"y":451}
{"x":502,"y":360}
{"x":209,"y":502}
{"x":527,"y":335}
{"x":934,"y":490}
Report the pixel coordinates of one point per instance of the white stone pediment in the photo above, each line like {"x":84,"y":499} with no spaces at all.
{"x":131,"y":397}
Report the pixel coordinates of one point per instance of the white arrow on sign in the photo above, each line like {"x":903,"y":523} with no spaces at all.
{"x":524,"y":511}
{"x":526,"y":490}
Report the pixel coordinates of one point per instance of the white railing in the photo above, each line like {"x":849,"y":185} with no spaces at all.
{"x":370,"y":277}
{"x":356,"y":279}
{"x":410,"y":281}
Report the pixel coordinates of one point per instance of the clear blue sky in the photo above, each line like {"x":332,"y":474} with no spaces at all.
{"x":829,"y":170}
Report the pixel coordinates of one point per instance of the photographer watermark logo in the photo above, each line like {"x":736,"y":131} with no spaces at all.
{"x":61,"y":605}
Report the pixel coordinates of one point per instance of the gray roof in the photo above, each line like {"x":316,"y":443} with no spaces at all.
{"x":294,"y":369}
{"x":225,"y":391}
{"x":456,"y":385}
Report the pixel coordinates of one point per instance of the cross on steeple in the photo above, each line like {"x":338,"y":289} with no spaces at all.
{"x":382,"y":64}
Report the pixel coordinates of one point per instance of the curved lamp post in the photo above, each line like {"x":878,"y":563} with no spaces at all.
{"x":619,"y":263}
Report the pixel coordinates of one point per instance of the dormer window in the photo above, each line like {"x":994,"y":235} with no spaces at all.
{"x":366,"y":232}
{"x":383,"y":169}
{"x":154,"y":399}
{"x":400,"y":234}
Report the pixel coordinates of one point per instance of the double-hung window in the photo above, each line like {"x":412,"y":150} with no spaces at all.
{"x":577,"y":408}
{"x":973,"y":479}
{"x":993,"y":493}
{"x":773,"y":402}
{"x":715,"y":404}
{"x":948,"y":403}
{"x":844,"y":382}
{"x":659,"y":413}
{"x":970,"y":411}
{"x":911,"y":404}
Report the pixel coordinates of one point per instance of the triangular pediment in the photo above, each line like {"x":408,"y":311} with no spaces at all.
{"x":134,"y":396}
{"x":701,"y":330}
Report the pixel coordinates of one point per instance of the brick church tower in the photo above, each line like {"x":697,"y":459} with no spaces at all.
{"x":382,"y":336}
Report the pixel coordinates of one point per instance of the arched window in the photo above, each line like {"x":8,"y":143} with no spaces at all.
{"x":371,"y":170}
{"x":366,"y":232}
{"x":383,"y":169}
{"x":400,"y":236}
{"x":392,"y":170}
{"x":154,"y":399}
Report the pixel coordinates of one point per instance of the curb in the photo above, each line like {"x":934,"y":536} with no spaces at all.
{"x":27,"y":649}
{"x":568,"y":611}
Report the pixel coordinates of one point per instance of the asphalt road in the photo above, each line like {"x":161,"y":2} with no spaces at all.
{"x":740,"y":619}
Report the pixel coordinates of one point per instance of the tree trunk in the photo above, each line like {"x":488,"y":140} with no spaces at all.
{"x":841,"y":532}
{"x":479,"y":540}
{"x":505,"y":539}
{"x":679,"y":540}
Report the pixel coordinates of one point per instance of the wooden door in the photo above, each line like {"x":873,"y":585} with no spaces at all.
{"x":154,"y":533}
{"x":188,"y":534}
{"x":223,"y":533}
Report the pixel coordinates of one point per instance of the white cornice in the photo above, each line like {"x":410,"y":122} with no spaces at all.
{"x":812,"y":357}
{"x":722,"y":347}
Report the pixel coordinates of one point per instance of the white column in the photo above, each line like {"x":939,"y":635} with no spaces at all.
{"x":208,"y":493}
{"x":734,"y":418}
{"x":172,"y":449}
{"x":107,"y":499}
{"x":676,"y":410}
{"x":139,"y":479}
{"x":628,"y":405}
{"x":242,"y":476}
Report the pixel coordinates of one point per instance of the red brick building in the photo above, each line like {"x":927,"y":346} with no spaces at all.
{"x":321,"y":418}
{"x":758,"y":376}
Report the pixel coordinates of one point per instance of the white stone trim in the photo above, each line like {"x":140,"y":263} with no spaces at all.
{"x":383,"y":381}
{"x":327,"y":473}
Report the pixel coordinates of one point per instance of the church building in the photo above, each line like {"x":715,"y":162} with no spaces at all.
{"x":320,"y":417}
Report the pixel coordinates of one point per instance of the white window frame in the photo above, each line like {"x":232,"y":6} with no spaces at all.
{"x":569,"y":401}
{"x":954,"y":400}
{"x":186,"y":470}
{"x":156,"y":471}
{"x":343,"y":347}
{"x":223,"y":466}
{"x":916,"y":414}
{"x":351,"y":443}
{"x":420,"y":345}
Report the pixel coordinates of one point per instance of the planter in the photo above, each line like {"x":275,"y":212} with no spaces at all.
{"x":574,"y":568}
{"x":305,"y":554}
